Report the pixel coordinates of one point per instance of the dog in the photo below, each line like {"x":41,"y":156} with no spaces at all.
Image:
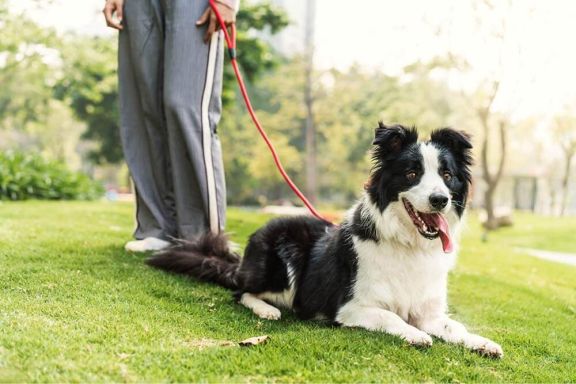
{"x":384,"y":268}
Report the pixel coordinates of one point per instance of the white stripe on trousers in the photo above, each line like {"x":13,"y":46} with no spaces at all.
{"x":207,"y":135}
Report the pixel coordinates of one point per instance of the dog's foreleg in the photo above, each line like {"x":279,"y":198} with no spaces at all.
{"x":261,"y":308}
{"x":452,"y":331}
{"x":377,"y":319}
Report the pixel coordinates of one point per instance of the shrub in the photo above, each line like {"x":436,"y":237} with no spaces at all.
{"x":28,"y":176}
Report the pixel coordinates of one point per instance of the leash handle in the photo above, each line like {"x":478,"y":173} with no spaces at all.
{"x":230,"y":36}
{"x":231,"y":42}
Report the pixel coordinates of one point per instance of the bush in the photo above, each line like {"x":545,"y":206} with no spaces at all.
{"x":28,"y":176}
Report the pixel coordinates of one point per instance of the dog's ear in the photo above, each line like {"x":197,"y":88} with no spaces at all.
{"x":390,"y":140}
{"x":458,"y":142}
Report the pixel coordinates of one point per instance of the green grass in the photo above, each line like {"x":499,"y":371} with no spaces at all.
{"x":75,"y":307}
{"x":539,"y":232}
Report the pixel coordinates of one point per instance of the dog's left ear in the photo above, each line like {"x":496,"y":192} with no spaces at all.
{"x":390,"y":140}
{"x":458,"y":142}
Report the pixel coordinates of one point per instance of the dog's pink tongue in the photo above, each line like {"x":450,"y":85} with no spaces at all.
{"x":440,"y":223}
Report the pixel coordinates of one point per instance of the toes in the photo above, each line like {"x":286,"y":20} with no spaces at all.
{"x":270,"y":314}
{"x":485,"y":347}
{"x":490,"y":349}
{"x":418,"y":339}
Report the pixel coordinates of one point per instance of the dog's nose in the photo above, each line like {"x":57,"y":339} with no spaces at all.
{"x":438,"y":200}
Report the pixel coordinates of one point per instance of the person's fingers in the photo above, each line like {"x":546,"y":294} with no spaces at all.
{"x":228,"y":16}
{"x":120,"y":15}
{"x":204,"y":18}
{"x":209,"y":17}
{"x":231,"y":18}
{"x":214,"y":19}
{"x":211,"y":29}
{"x":108,"y":14}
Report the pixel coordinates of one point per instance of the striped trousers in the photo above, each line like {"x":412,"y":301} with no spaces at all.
{"x":170,"y":84}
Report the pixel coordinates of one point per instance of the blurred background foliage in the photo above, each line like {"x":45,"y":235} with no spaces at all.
{"x":27,"y":176}
{"x":59,"y":100}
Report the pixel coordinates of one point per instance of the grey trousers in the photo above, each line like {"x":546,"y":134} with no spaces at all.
{"x":170,"y":85}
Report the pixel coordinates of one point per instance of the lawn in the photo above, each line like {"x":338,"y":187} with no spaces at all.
{"x":75,"y":307}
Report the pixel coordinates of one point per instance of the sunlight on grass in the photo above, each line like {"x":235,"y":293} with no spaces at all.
{"x":76,"y":307}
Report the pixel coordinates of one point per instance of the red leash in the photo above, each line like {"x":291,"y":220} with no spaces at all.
{"x":231,"y":42}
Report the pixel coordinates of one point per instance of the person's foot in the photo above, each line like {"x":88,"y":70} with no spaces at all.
{"x":148,"y":244}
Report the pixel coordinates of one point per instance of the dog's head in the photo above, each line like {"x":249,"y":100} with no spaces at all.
{"x":422,"y":182}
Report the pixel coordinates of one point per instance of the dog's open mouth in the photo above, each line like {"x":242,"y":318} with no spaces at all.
{"x":430,"y":225}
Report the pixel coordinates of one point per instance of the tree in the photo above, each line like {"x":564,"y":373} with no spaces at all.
{"x":348,"y":105}
{"x":30,"y":65}
{"x":492,"y":26}
{"x":348,"y":111}
{"x":484,"y":112}
{"x":565,"y":135}
{"x":250,"y":173}
{"x":90,"y":88}
{"x":310,"y":127}
{"x":28,"y":54}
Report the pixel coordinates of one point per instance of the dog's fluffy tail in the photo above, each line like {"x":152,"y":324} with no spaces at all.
{"x":207,"y":258}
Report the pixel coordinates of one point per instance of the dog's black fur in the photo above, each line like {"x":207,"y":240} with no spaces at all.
{"x":322,"y":260}
{"x":385,"y":268}
{"x":321,"y":256}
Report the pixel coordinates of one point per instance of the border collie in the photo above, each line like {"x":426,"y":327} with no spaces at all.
{"x":385,"y":268}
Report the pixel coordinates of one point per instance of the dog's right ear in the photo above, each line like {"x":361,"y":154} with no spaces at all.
{"x":390,"y":140}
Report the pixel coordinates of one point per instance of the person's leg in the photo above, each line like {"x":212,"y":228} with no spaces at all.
{"x":142,"y":126}
{"x":192,"y":102}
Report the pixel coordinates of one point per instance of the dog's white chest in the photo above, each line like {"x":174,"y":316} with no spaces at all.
{"x":399,"y":280}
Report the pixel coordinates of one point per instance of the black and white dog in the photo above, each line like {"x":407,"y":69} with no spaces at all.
{"x":384,"y":268}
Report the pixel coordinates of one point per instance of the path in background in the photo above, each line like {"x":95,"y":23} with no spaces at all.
{"x":559,"y":257}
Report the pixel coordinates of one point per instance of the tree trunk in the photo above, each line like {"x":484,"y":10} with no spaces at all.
{"x":489,"y":206}
{"x":493,"y":180}
{"x":490,"y":179}
{"x":311,"y":163}
{"x":566,"y":181}
{"x":535,"y":191}
{"x":553,"y":195}
{"x":310,"y":128}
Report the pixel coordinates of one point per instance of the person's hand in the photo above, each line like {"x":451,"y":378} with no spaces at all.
{"x":209,"y":17}
{"x":114,"y":7}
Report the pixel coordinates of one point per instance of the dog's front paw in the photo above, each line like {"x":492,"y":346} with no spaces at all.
{"x":417,"y":338}
{"x":485,"y":347}
{"x":269,"y":313}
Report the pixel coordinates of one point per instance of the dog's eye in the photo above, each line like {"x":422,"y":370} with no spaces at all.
{"x":411,"y":175}
{"x":447,"y":176}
